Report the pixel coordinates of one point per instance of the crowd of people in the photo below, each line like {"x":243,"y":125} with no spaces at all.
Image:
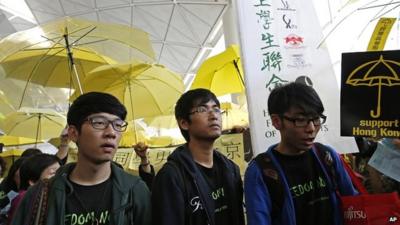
{"x":291,"y":183}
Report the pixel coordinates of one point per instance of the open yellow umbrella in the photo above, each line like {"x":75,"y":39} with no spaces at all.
{"x":145,"y":89}
{"x":66,"y":38}
{"x":14,"y":140}
{"x":34,"y":123}
{"x":233,"y":116}
{"x":222,"y":74}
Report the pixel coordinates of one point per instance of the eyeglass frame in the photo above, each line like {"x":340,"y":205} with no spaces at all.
{"x":295,"y":121}
{"x":108,"y":122}
{"x":207,"y":110}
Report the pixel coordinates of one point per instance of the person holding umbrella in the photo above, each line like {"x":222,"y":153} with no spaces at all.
{"x":198,"y":185}
{"x":94,"y":189}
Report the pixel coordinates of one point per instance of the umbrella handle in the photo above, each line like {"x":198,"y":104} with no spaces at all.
{"x":378,"y":108}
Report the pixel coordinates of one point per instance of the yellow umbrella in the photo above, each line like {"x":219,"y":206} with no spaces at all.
{"x":70,"y":36}
{"x":222,"y":73}
{"x":14,"y":140}
{"x":233,"y":116}
{"x":163,"y":121}
{"x":132,"y":135}
{"x":145,"y":89}
{"x":50,"y":67}
{"x":34,"y":123}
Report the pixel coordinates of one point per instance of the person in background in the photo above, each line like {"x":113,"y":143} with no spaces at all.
{"x":198,"y":185}
{"x":30,"y":152}
{"x":3,"y":168}
{"x":34,"y":168}
{"x":9,"y":189}
{"x":146,"y":170}
{"x":307,"y":193}
{"x":93,"y":189}
{"x":63,"y":148}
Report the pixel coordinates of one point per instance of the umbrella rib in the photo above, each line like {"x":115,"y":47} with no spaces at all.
{"x":18,"y":123}
{"x":91,"y":42}
{"x":338,"y":24}
{"x":51,"y":119}
{"x":30,"y":78}
{"x":82,"y":36}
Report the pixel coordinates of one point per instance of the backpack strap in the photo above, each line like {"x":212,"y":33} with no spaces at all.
{"x":39,"y":203}
{"x":326,"y":158}
{"x":273,"y":182}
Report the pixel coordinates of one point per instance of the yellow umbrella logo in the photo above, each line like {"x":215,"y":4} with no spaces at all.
{"x":375,"y":73}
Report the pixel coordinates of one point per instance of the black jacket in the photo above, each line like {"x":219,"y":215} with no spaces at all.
{"x":180,"y":194}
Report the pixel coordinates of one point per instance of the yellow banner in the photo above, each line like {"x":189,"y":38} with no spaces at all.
{"x":381,"y":32}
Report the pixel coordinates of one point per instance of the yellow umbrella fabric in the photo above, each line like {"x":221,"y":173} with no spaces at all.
{"x":145,"y":89}
{"x":50,"y":67}
{"x":71,"y":35}
{"x":34,"y":123}
{"x":163,"y":121}
{"x":14,"y":140}
{"x":233,"y":116}
{"x":222,"y":74}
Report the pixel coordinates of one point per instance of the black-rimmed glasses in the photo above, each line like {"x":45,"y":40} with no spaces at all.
{"x":101,"y":123}
{"x":204,"y":110}
{"x":303,"y":122}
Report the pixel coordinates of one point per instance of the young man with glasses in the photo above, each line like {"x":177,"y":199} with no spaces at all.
{"x":94,"y":190}
{"x":290,"y":183}
{"x":198,"y":185}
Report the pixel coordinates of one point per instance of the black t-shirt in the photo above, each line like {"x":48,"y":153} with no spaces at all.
{"x":309,"y":188}
{"x":89,"y":204}
{"x":214,"y":179}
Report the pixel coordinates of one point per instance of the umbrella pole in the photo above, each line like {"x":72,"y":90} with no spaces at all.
{"x":133,"y":115}
{"x":237,"y":68}
{"x":37,"y":129}
{"x":72,"y":63}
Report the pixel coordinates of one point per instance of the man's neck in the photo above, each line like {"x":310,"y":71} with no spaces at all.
{"x":86,"y":173}
{"x":202,"y":152}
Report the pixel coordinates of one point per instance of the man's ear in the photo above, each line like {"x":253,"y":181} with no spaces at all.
{"x":183,"y":124}
{"x":276,"y":121}
{"x":73,"y":133}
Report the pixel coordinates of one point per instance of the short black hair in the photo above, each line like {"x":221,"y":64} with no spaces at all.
{"x":94,"y":102}
{"x":31,"y":152}
{"x":33,"y":167}
{"x":8,"y":181}
{"x":298,"y":95}
{"x":191,"y":99}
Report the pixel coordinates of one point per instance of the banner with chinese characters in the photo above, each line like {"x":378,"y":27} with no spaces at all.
{"x":231,"y":145}
{"x":370,"y":88}
{"x":279,"y":44}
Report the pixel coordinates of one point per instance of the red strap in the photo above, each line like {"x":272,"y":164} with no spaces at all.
{"x":354,"y":179}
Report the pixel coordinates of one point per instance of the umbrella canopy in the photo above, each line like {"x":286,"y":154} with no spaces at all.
{"x":14,"y":140}
{"x":34,"y":123}
{"x":161,"y":122}
{"x":66,"y":37}
{"x":145,"y":89}
{"x":222,"y":73}
{"x":50,"y":67}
